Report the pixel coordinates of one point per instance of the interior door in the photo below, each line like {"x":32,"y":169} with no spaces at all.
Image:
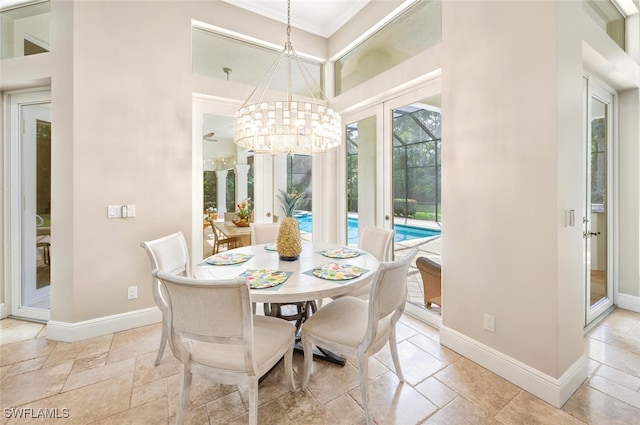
{"x":598,"y":216}
{"x":30,"y":205}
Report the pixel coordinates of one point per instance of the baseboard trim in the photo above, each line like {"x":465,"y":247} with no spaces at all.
{"x":554,"y":391}
{"x":71,"y":332}
{"x":3,"y":311}
{"x":629,"y":302}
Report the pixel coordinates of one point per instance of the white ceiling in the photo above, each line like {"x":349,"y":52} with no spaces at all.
{"x":321,"y":17}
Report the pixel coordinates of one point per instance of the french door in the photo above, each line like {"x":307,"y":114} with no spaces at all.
{"x":598,"y":218}
{"x":29,"y":206}
{"x":392,"y":154}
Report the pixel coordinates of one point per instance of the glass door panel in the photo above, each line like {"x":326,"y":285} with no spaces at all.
{"x":360,"y":145}
{"x":36,"y":211}
{"x":597,"y":220}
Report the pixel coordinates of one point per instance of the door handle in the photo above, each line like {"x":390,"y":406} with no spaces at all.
{"x":586,"y":234}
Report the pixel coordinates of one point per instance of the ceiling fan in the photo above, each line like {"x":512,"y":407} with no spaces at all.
{"x":209,"y":137}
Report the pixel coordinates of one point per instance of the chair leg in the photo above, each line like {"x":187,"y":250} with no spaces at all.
{"x":185,"y":388}
{"x":288,"y":366}
{"x":163,"y":341}
{"x":363,"y":365}
{"x":393,"y":345}
{"x":253,"y":401}
{"x":307,"y":348}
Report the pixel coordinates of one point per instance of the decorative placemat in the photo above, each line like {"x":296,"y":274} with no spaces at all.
{"x":341,"y":252}
{"x":335,"y":271}
{"x":264,"y":278}
{"x":271,"y":247}
{"x":224,"y":259}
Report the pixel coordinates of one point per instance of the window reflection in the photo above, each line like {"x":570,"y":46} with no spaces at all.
{"x":25,"y":30}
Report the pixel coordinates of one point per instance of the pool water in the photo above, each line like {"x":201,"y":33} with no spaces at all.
{"x":403,"y":232}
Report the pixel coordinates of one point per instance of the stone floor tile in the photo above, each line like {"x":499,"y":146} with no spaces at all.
{"x":478,"y":385}
{"x":19,"y":332}
{"x":417,"y":365}
{"x":31,"y":386}
{"x":25,"y":350}
{"x":63,"y":351}
{"x":394,"y":403}
{"x":437,"y":392}
{"x":528,"y":409}
{"x":461,"y":412}
{"x":596,"y":408}
{"x":616,"y":390}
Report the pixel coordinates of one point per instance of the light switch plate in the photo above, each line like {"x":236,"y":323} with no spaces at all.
{"x":118,"y":211}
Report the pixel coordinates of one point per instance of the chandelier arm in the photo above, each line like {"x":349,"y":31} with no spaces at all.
{"x":308,"y":79}
{"x":267,"y":76}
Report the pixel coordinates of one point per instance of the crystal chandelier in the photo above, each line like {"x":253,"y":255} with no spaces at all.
{"x":287,"y":126}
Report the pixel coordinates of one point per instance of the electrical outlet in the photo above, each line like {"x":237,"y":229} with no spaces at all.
{"x":489,"y":322}
{"x":132,"y":292}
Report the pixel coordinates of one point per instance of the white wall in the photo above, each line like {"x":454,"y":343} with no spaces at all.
{"x":500,"y":177}
{"x":512,"y":168}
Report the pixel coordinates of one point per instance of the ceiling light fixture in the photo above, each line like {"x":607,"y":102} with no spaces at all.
{"x":287,"y":126}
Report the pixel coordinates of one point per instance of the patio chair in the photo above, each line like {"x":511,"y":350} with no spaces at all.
{"x":431,"y":281}
{"x":219,"y":240}
{"x":170,"y":254}
{"x":354,"y":327}
{"x":213,"y":332}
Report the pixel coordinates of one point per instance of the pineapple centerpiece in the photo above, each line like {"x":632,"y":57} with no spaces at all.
{"x":289,"y":244}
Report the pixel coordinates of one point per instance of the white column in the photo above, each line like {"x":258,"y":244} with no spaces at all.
{"x":221,"y":192}
{"x":279,"y":182}
{"x":242,"y":171}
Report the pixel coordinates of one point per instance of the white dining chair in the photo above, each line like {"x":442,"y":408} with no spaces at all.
{"x":213,"y":332}
{"x":264,"y":233}
{"x":353,"y":327}
{"x":378,"y":242}
{"x":168,"y":253}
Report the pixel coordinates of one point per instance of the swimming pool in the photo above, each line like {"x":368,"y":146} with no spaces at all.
{"x":403,"y":232}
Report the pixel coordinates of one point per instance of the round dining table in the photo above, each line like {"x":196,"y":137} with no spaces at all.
{"x":303,"y":282}
{"x":322,"y":271}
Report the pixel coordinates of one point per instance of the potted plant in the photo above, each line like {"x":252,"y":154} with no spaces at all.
{"x":243,"y":212}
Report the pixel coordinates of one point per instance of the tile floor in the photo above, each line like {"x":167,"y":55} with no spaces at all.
{"x":112,"y":380}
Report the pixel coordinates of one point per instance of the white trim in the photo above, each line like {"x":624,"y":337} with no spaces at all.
{"x":251,"y":40}
{"x":38,"y":42}
{"x":423,"y":315}
{"x":71,"y":332}
{"x":3,"y":311}
{"x":555,"y":391}
{"x":629,"y":302}
{"x":626,"y":7}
